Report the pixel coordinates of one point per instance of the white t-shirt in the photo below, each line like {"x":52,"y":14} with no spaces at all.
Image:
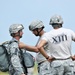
{"x":39,"y":56}
{"x":59,"y":41}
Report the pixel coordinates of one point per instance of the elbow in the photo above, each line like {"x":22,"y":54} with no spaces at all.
{"x":39,"y":47}
{"x":37,"y":51}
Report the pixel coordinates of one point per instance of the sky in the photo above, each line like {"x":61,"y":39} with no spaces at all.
{"x":25,"y":11}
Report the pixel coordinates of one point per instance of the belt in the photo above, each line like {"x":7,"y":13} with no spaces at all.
{"x":41,"y":62}
{"x":54,"y":59}
{"x":62,"y":59}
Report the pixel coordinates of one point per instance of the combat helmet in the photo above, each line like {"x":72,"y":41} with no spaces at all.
{"x":14,"y":28}
{"x":36,"y":24}
{"x":56,"y":19}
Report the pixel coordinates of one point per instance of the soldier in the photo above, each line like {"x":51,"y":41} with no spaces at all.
{"x":37,"y":28}
{"x":59,"y":39}
{"x":16,"y":66}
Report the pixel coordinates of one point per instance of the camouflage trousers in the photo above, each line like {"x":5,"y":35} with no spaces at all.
{"x":44,"y":68}
{"x":62,"y":67}
{"x":74,"y":67}
{"x":13,"y":72}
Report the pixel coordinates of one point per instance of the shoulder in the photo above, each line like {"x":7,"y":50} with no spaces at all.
{"x":13,"y":44}
{"x":45,"y":34}
{"x":13,"y":47}
{"x":70,"y":31}
{"x":66,"y":29}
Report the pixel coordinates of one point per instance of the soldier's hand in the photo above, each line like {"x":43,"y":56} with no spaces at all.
{"x":73,"y":57}
{"x":21,"y":45}
{"x":50,"y":59}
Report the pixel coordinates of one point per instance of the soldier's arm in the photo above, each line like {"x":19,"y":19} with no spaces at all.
{"x":28,"y":47}
{"x":43,"y":52}
{"x":41,"y":44}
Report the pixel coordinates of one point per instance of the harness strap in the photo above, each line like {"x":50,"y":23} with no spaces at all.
{"x":42,"y":62}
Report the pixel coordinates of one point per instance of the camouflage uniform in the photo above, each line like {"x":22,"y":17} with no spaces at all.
{"x":16,"y":67}
{"x":44,"y":68}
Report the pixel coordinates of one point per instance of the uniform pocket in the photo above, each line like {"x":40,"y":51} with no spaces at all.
{"x":56,"y":64}
{"x":71,"y":64}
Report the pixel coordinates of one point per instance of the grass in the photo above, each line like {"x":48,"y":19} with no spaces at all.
{"x":35,"y":72}
{"x":4,"y":73}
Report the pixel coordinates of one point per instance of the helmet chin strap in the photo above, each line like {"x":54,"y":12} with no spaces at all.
{"x":18,"y":34}
{"x":38,"y":32}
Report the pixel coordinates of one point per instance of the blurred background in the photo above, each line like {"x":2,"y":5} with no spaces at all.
{"x":25,"y":11}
